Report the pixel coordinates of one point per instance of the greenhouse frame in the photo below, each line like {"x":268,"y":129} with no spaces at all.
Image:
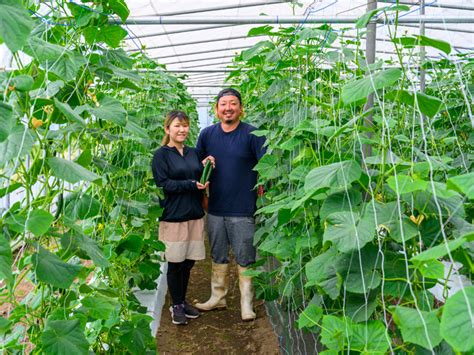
{"x":365,"y":211}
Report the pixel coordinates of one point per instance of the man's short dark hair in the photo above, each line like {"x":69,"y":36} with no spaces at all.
{"x":229,"y":92}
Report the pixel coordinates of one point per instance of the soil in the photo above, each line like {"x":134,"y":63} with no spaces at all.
{"x":219,"y":331}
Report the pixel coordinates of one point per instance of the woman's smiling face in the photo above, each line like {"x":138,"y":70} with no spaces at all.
{"x":178,"y":131}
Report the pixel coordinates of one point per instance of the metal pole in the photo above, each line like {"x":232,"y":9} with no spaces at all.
{"x":201,"y":52}
{"x":200,"y":59}
{"x":206,"y":65}
{"x":389,"y":40}
{"x":249,"y":20}
{"x":442,"y":5}
{"x":204,"y":86}
{"x":221,"y":39}
{"x":370,"y":47}
{"x":178,"y":31}
{"x":220,"y":8}
{"x":442,"y":28}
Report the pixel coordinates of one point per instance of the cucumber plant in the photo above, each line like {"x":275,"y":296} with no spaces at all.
{"x":369,"y":219}
{"x":80,"y":119}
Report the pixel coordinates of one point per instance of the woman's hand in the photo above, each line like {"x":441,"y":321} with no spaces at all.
{"x":202,"y":186}
{"x":211,"y":158}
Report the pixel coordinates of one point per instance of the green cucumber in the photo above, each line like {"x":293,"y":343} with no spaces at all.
{"x":206,"y":172}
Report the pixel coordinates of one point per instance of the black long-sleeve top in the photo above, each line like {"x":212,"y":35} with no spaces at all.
{"x":177,"y":175}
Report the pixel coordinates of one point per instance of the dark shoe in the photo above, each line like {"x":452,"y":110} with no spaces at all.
{"x":177,"y":315}
{"x":190,"y":311}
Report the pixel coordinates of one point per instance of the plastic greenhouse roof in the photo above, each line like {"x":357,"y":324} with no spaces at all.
{"x":203,"y":54}
{"x":213,"y":49}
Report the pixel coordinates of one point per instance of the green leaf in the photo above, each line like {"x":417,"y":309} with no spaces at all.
{"x":38,"y":222}
{"x":365,"y":19}
{"x":50,"y":269}
{"x":82,"y":14}
{"x":336,"y":332}
{"x":43,"y":51}
{"x":110,"y":109}
{"x":15,"y":24}
{"x":370,"y":337}
{"x":5,"y":325}
{"x":340,"y":202}
{"x":120,"y":8}
{"x":68,"y":112}
{"x":70,"y":171}
{"x":64,"y":337}
{"x":433,"y":269}
{"x":18,"y":143}
{"x":439,"y":250}
{"x":6,"y":260}
{"x":463,"y":184}
{"x":403,"y":184}
{"x":10,"y":188}
{"x":261,"y":30}
{"x":361,"y":88}
{"x":136,"y":336}
{"x":360,"y":281}
{"x":418,"y":327}
{"x":309,"y":317}
{"x":74,"y":241}
{"x":457,"y":327}
{"x":111,"y":34}
{"x":99,"y":307}
{"x":429,"y":105}
{"x":22,"y":82}
{"x":420,"y":40}
{"x":435,"y":43}
{"x":409,"y":229}
{"x":349,"y":231}
{"x":336,"y":175}
{"x":256,"y":49}
{"x":62,"y":62}
{"x":7,"y":123}
{"x":266,"y":167}
{"x":68,"y":65}
{"x":81,"y":206}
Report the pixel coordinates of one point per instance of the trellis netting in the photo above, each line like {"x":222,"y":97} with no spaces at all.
{"x":366,"y":232}
{"x":365,"y":228}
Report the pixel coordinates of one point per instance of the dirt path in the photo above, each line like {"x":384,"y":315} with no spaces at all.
{"x":216,"y":332}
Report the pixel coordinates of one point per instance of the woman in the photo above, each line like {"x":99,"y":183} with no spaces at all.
{"x":177,"y":169}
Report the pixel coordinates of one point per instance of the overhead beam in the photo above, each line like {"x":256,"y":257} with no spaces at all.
{"x":442,"y":5}
{"x":388,"y":40}
{"x":177,"y":31}
{"x":201,"y":52}
{"x":220,"y":39}
{"x":220,"y":8}
{"x":173,"y":20}
{"x":200,"y":59}
{"x":441,"y":28}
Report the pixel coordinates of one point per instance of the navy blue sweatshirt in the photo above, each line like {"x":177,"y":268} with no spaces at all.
{"x":232,"y":183}
{"x":177,"y":175}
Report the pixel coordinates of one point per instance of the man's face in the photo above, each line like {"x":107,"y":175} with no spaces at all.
{"x":228,"y":109}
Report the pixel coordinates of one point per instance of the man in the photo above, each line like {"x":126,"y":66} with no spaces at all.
{"x":232,"y":199}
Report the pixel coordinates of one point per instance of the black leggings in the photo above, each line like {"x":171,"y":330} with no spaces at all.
{"x":178,"y":278}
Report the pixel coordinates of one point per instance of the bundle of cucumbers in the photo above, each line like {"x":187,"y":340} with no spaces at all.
{"x":206,"y":172}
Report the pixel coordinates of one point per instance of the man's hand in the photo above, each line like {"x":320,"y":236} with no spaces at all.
{"x":211,"y":158}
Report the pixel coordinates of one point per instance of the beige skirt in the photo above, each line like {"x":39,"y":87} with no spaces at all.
{"x":183,"y":240}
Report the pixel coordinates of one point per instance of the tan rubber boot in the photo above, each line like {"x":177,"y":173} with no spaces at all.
{"x":246,"y":295}
{"x":219,"y":288}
